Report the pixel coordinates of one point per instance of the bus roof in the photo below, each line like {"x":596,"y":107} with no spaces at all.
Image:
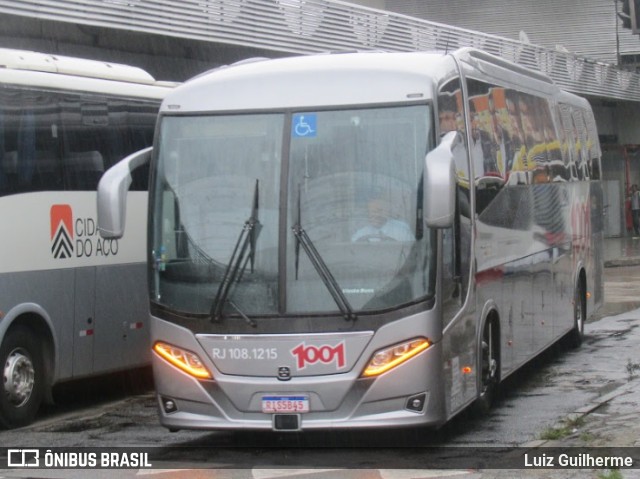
{"x":42,"y":62}
{"x":313,"y":81}
{"x":22,"y":67}
{"x":341,"y":79}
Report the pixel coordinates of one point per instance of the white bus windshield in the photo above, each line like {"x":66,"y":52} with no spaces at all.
{"x":350,"y":181}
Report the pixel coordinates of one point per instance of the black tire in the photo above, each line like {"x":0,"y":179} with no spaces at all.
{"x":576,"y":335}
{"x":489,"y":369}
{"x":22,"y":385}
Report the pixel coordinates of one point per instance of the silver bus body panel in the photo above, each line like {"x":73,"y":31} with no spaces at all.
{"x":92,"y":333}
{"x":524,"y":278}
{"x":337,"y":400}
{"x":263,"y":355}
{"x":529,"y":282}
{"x":93,"y":300}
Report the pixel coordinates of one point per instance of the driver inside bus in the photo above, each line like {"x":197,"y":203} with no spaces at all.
{"x":382,"y":226}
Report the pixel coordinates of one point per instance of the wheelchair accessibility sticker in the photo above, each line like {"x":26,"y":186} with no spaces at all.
{"x":303,"y":125}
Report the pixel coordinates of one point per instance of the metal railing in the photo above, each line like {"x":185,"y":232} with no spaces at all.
{"x":313,"y":26}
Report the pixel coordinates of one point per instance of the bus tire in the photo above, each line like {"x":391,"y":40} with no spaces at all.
{"x":489,"y":368}
{"x":576,"y":335}
{"x":22,"y":385}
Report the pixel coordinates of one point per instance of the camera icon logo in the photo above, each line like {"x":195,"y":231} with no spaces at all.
{"x":23,"y":458}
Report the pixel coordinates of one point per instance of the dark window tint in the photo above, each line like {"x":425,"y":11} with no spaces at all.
{"x":30,"y":144}
{"x":59,"y":141}
{"x":99,"y":132}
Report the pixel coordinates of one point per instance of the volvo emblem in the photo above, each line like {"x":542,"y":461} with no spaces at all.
{"x":284,"y":373}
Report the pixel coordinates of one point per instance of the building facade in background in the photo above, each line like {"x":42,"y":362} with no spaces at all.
{"x":588,"y":28}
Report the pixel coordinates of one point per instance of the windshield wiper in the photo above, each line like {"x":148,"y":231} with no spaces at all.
{"x":321,"y":267}
{"x":238,"y":262}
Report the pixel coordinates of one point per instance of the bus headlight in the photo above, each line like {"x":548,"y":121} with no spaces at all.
{"x":388,"y":358}
{"x":184,"y":360}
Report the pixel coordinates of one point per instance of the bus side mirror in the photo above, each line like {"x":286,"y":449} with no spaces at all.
{"x":112,"y":193}
{"x":440,"y":183}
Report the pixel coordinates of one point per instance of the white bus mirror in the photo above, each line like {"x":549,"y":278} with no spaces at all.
{"x":440,"y":183}
{"x":112,"y":193}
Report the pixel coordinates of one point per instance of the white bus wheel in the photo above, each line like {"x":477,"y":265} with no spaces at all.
{"x":21,"y":389}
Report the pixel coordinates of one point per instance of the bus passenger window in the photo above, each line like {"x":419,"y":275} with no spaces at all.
{"x":515,"y":170}
{"x":83,"y":169}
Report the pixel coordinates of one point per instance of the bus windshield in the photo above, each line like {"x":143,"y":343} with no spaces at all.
{"x":299,"y":213}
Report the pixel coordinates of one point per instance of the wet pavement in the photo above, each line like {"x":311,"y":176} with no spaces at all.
{"x":612,"y":418}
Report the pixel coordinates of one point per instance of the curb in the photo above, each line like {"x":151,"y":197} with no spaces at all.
{"x":616,"y":263}
{"x":584,"y":411}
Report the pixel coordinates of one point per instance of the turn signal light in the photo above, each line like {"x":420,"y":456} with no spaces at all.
{"x":388,"y":358}
{"x":184,"y":360}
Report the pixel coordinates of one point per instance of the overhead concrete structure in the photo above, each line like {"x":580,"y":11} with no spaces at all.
{"x":589,"y":28}
{"x":311,"y":26}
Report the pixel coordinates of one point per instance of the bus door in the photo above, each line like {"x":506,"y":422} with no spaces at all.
{"x":123,"y":330}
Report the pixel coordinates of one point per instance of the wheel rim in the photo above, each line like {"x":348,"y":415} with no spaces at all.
{"x":18,"y":377}
{"x":579,"y":316}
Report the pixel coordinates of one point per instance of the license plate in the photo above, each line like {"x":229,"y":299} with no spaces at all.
{"x":285,"y":404}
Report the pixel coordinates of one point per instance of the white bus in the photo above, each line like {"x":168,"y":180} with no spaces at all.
{"x":71,"y":303}
{"x":362,"y":240}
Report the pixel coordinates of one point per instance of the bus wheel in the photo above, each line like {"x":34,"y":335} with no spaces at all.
{"x":22,"y":388}
{"x":489,"y":367}
{"x":579,"y":308}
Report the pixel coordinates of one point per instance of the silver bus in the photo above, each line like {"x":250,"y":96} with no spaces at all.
{"x":72,"y":304}
{"x":362,"y":239}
